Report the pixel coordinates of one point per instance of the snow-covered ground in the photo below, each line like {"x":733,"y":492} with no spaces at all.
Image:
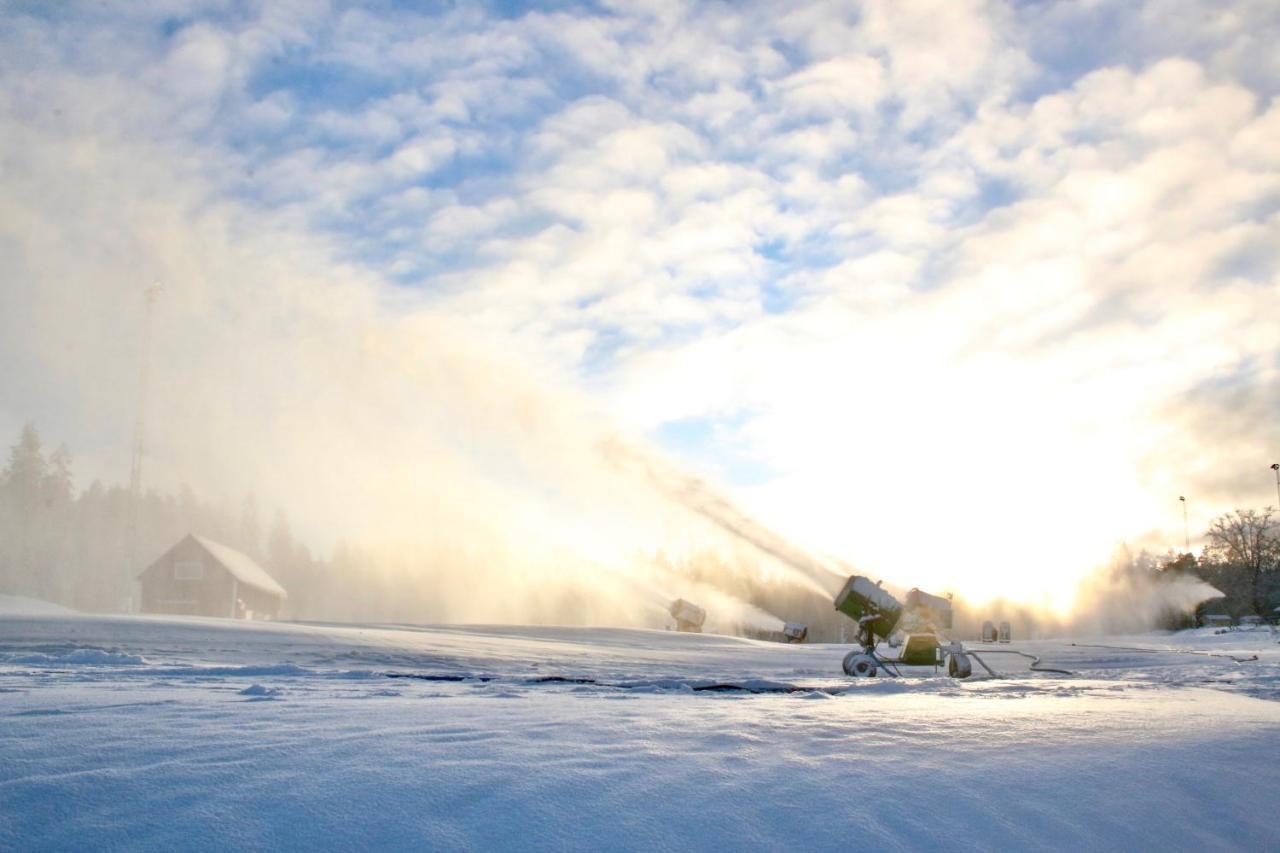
{"x":168,"y":733}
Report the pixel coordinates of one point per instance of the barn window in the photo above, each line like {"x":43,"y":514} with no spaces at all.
{"x":188,"y":570}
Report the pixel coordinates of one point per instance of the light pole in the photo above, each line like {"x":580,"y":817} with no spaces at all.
{"x":1186,"y":534}
{"x":1275,"y":466}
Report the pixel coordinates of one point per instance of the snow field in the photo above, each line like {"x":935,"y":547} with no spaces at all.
{"x":137,"y":733}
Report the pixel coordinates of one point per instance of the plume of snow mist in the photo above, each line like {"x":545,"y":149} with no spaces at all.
{"x":438,"y":459}
{"x":727,"y":614}
{"x":696,"y":496}
{"x":1128,"y":598}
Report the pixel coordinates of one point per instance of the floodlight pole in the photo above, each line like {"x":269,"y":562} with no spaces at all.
{"x":1186,"y":531}
{"x":1275,"y":466}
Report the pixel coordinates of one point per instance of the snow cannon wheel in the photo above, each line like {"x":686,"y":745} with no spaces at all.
{"x":860,"y":665}
{"x":958,"y":666}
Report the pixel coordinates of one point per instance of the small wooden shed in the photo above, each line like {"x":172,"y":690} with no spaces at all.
{"x":200,"y":577}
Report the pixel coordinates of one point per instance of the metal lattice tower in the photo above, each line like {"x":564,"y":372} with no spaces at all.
{"x":150,"y":295}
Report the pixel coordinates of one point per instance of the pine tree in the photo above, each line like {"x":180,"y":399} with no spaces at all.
{"x":21,"y":485}
{"x":58,"y":489}
{"x":250,"y":529}
{"x":280,"y":544}
{"x":25,"y":473}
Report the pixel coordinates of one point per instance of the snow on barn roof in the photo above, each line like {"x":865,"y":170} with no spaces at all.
{"x":242,"y":566}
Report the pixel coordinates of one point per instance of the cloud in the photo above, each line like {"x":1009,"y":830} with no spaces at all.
{"x":1011,"y":264}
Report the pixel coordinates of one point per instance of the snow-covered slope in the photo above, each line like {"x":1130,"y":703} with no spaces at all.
{"x":157,"y":733}
{"x":18,"y":605}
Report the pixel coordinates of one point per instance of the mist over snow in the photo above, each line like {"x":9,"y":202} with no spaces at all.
{"x":960,"y":295}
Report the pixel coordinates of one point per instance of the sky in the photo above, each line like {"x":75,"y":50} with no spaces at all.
{"x":956,"y":293}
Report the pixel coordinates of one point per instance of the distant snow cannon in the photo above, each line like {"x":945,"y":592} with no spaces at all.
{"x":689,"y":617}
{"x":795,"y":632}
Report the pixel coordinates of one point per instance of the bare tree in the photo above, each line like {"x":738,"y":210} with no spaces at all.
{"x":1246,"y":539}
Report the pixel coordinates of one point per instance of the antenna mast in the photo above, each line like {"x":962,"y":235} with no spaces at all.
{"x":150,"y":295}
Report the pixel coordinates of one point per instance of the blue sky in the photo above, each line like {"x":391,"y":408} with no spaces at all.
{"x":804,"y":249}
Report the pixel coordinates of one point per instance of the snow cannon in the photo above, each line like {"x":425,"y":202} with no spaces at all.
{"x":689,"y":617}
{"x":874,"y":609}
{"x":878,"y":614}
{"x":931,"y":609}
{"x":795,"y":632}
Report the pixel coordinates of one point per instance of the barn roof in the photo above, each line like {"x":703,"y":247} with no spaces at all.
{"x":242,"y":566}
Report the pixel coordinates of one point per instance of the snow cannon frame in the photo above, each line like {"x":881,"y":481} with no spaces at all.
{"x":921,"y":650}
{"x":689,"y":616}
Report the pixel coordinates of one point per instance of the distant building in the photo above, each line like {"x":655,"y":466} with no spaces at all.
{"x":1215,"y":619}
{"x":200,"y":577}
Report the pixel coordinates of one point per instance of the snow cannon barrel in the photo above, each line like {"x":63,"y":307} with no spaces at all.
{"x":795,"y":632}
{"x":932,"y":608}
{"x":861,"y":598}
{"x":689,"y":617}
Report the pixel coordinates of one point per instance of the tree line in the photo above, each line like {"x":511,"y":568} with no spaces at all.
{"x":76,"y":549}
{"x":1242,"y":560}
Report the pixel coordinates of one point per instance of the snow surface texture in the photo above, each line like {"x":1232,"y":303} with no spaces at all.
{"x":168,"y":733}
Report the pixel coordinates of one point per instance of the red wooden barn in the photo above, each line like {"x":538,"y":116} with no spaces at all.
{"x":200,"y":577}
